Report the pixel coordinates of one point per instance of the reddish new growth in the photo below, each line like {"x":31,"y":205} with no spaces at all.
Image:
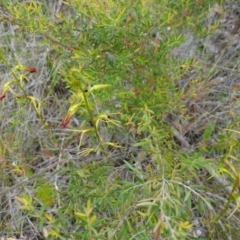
{"x":66,"y":120}
{"x":31,"y":69}
{"x":2,"y":95}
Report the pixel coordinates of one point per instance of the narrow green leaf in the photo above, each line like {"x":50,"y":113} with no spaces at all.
{"x":187,"y":196}
{"x":209,"y":130}
{"x":99,"y":86}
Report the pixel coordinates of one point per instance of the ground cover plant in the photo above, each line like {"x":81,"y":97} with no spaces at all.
{"x":119,"y":120}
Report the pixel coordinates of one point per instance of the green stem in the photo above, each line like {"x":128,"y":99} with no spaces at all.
{"x":224,"y":209}
{"x":93,"y":122}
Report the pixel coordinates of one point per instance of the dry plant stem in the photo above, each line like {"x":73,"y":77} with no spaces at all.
{"x":61,"y":44}
{"x":218,"y":197}
{"x":223,"y":46}
{"x":157,"y":232}
{"x":50,"y":132}
{"x":135,"y":236}
{"x":34,"y":108}
{"x":128,"y":212}
{"x":193,"y":191}
{"x":180,"y":138}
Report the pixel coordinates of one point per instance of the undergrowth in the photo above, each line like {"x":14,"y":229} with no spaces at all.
{"x":129,"y":178}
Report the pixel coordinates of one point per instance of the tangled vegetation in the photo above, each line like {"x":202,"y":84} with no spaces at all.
{"x":119,"y":119}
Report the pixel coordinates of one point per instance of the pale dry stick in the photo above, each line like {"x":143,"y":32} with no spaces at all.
{"x":217,"y":197}
{"x":166,"y":221}
{"x":71,"y":48}
{"x":58,"y":6}
{"x":229,"y":39}
{"x":135,"y":235}
{"x":180,"y":138}
{"x":32,"y":225}
{"x":129,"y":211}
{"x":12,"y":212}
{"x":193,"y":191}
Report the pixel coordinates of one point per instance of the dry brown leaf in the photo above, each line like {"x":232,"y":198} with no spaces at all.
{"x":46,"y":153}
{"x":216,"y":8}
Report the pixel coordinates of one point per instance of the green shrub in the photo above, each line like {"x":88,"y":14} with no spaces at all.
{"x":115,"y":58}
